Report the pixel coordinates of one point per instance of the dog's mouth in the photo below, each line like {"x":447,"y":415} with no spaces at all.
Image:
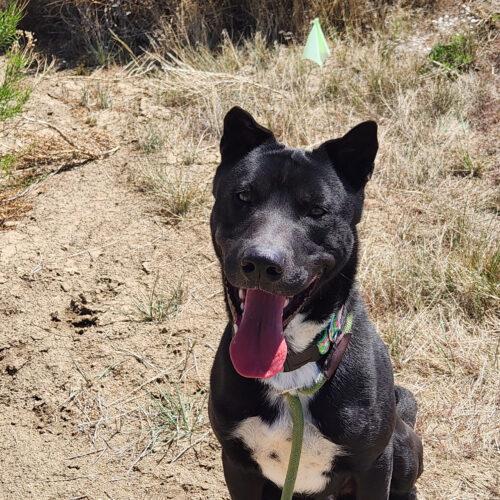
{"x":258,"y":348}
{"x":292,"y":305}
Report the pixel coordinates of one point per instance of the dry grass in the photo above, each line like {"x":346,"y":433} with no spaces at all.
{"x":96,"y":97}
{"x":47,"y":153}
{"x":156,"y":305}
{"x":161,"y":416}
{"x":103,"y":33}
{"x":177,"y":190}
{"x":22,"y":169}
{"x":175,"y":166}
{"x":11,"y":209}
{"x":430,"y":264}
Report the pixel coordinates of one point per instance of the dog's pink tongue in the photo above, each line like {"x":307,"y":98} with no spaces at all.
{"x":258,"y":349}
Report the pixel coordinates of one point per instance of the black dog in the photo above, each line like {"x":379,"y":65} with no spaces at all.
{"x":284,"y":229}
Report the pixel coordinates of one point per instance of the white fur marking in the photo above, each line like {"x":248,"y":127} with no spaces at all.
{"x":270,"y":447}
{"x":302,"y":377}
{"x":299,"y":333}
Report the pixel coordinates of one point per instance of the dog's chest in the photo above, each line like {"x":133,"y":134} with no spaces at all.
{"x":270,"y":446}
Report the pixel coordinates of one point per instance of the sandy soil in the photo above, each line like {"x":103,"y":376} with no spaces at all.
{"x":80,"y":368}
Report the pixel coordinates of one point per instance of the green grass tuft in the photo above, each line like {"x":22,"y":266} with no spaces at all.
{"x":455,"y":56}
{"x":152,"y":141}
{"x":9,"y":19}
{"x":13,"y":94}
{"x":180,"y":416}
{"x":157,"y":306}
{"x":6,"y":163}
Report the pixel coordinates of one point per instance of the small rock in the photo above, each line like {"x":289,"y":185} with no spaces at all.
{"x":94,"y":254}
{"x":65,"y":286}
{"x":54,"y":316}
{"x":11,"y":370}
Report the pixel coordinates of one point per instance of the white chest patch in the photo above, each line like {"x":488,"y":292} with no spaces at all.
{"x":270,"y":447}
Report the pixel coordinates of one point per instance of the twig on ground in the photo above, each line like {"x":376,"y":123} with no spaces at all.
{"x":157,"y":377}
{"x":199,"y":440}
{"x":93,"y":452}
{"x":64,"y":168}
{"x":53,"y":127}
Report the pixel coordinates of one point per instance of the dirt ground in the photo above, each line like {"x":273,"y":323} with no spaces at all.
{"x":79,"y":366}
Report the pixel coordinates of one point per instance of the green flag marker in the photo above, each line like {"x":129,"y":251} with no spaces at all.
{"x":316,"y":48}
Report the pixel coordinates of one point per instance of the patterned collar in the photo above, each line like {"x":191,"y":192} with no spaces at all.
{"x":336,"y":333}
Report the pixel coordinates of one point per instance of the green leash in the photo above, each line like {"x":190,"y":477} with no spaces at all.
{"x":297,"y":437}
{"x":297,"y":415}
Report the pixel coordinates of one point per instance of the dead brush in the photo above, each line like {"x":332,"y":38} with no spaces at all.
{"x":104,"y":33}
{"x":178,"y":189}
{"x":181,"y":420}
{"x":11,"y":208}
{"x":157,"y":306}
{"x":45,"y":155}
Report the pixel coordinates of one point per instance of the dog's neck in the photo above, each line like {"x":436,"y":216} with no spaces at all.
{"x":305,"y":376}
{"x":301,"y":332}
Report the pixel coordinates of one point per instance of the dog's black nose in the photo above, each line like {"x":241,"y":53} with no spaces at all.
{"x":262,"y":264}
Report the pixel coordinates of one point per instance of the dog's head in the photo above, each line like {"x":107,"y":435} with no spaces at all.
{"x":283,"y":225}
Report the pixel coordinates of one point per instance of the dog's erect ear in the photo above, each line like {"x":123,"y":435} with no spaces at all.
{"x":241,"y":134}
{"x":353,"y":155}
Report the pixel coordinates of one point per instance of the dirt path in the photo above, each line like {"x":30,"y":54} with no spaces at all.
{"x":87,"y":384}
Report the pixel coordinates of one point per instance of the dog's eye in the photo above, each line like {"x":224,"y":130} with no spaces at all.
{"x":244,"y":196}
{"x":317,"y":212}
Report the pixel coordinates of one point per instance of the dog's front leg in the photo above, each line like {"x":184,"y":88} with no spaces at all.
{"x":374,"y":484}
{"x":243,"y":484}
